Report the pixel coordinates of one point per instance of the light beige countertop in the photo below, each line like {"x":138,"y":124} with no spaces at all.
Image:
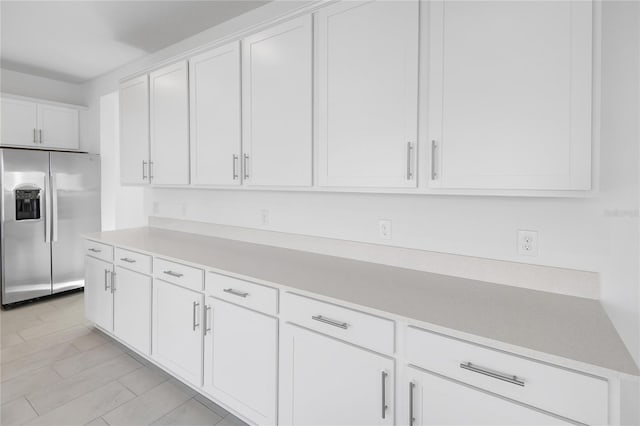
{"x":563,"y":327}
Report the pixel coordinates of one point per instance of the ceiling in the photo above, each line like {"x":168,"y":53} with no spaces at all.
{"x":76,"y":41}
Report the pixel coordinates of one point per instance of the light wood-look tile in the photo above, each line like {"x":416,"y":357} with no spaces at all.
{"x":191,"y":413}
{"x":87,"y":407}
{"x":149,"y":406}
{"x":211,"y":405}
{"x":35,"y":361}
{"x":85,"y":360}
{"x":144,"y":379}
{"x":32,"y":346}
{"x":30,"y":382}
{"x":98,"y":421}
{"x":48,"y":398}
{"x":10,"y":339}
{"x":16,"y":412}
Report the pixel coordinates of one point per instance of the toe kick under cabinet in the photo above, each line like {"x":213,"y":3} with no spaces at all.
{"x":273,"y":356}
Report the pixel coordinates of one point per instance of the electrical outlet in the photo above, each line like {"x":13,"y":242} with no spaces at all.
{"x":528,"y":243}
{"x":384,"y":229}
{"x":264,"y":217}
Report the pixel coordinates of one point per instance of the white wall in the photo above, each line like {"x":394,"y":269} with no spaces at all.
{"x":122,"y":206}
{"x":22,"y":84}
{"x":598,"y":234}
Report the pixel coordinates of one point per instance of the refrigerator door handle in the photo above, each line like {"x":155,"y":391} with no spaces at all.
{"x":54,"y":208}
{"x":47,"y":209}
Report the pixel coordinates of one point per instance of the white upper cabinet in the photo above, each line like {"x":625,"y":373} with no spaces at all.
{"x":277,"y":105}
{"x":368,"y":93}
{"x":39,"y":125}
{"x":134,"y":131}
{"x":58,"y":127}
{"x":19,"y":122}
{"x":169,"y":125}
{"x":214,"y":82}
{"x":510,"y":94}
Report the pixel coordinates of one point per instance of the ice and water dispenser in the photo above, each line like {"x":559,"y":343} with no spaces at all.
{"x":27,"y":203}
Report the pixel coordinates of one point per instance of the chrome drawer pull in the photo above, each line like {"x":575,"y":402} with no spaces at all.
{"x":196,"y":323}
{"x":235,"y":292}
{"x":412,"y":417}
{"x":500,"y":376}
{"x":173,"y":274}
{"x":409,"y":149}
{"x":384,"y":395}
{"x":113,"y":282}
{"x":434,"y":173}
{"x":95,"y":250}
{"x":334,"y":323}
{"x":106,"y":274}
{"x":126,"y":259}
{"x":207,"y":327}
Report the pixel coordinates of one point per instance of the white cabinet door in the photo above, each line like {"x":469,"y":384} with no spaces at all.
{"x":510,"y":94}
{"x":327,"y":382}
{"x":98,"y":299}
{"x":19,"y":123}
{"x":177,"y":332}
{"x":434,"y":400}
{"x":214,"y":82}
{"x":241,"y":359}
{"x":132,"y":309}
{"x":134,"y":131}
{"x":169,"y":123}
{"x":368,"y":93}
{"x":58,"y":127}
{"x":277,"y":105}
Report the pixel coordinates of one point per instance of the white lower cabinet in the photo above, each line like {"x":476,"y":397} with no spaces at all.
{"x":324,"y":381}
{"x":435,"y":400}
{"x":240,"y":359}
{"x":98,"y":298}
{"x":132,"y":308}
{"x":177,"y":333}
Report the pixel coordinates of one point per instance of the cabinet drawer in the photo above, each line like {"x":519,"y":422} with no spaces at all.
{"x":177,"y":273}
{"x":99,"y":250}
{"x":245,"y":293}
{"x":564,"y":392}
{"x":362,"y":329}
{"x":132,"y":260}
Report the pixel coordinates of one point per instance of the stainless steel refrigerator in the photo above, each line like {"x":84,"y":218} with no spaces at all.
{"x":49,"y":199}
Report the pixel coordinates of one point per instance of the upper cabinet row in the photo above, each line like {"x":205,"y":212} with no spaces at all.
{"x":40,"y":125}
{"x":404,"y":95}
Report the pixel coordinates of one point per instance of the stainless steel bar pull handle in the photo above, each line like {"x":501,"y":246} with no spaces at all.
{"x":150,"y":170}
{"x":329,"y":321}
{"x":235,"y":292}
{"x":409,"y":157}
{"x":173,"y":274}
{"x":384,"y":395}
{"x":412,"y":417}
{"x":35,"y":139}
{"x":40,"y":135}
{"x":510,"y":378}
{"x":235,"y":166}
{"x":195,"y":316}
{"x":106,"y":274}
{"x":434,"y":173}
{"x":95,"y":250}
{"x":245,"y":166}
{"x":144,"y":170}
{"x":126,"y":259}
{"x":113,"y":281}
{"x":207,"y":327}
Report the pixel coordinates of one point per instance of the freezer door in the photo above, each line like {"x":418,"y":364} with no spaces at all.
{"x":25,"y":251}
{"x":75,"y":207}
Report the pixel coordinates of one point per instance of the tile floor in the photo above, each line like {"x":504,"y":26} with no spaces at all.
{"x":56,"y":370}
